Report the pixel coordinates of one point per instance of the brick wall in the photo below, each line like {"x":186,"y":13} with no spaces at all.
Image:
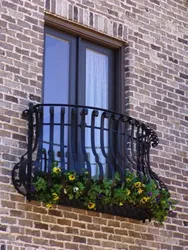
{"x":156,"y":77}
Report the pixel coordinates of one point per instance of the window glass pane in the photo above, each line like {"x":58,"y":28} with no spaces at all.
{"x":97,"y":96}
{"x":56,"y":73}
{"x":56,"y":88}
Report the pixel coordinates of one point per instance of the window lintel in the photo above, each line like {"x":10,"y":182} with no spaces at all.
{"x":87,"y":33}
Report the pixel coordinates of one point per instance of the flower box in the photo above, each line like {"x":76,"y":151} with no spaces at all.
{"x":127,"y":210}
{"x":136,"y":197}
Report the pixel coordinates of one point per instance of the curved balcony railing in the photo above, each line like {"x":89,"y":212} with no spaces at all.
{"x":77,"y":137}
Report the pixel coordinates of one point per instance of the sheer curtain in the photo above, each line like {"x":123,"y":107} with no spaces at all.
{"x":96,"y":96}
{"x":96,"y":79}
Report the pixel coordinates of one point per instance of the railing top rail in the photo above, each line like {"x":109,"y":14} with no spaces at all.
{"x":147,"y":128}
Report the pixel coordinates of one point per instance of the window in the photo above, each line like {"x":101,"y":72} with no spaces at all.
{"x":79,"y":72}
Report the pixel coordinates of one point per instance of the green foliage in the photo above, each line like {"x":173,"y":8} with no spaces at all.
{"x":134,"y":190}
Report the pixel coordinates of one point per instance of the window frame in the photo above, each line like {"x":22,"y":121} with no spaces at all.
{"x":101,"y":39}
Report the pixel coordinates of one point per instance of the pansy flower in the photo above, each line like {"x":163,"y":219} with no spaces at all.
{"x":75,"y":189}
{"x":100,"y":196}
{"x":55,"y":197}
{"x":158,"y":198}
{"x":49,"y":205}
{"x":150,"y":194}
{"x":137,"y":184}
{"x":140,"y":190}
{"x":71,"y":177}
{"x":144,"y":199}
{"x":128,"y":192}
{"x":56,"y":170}
{"x":128,"y":180}
{"x":32,"y":188}
{"x":91,"y":205}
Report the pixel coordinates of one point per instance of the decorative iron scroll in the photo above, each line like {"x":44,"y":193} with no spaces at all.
{"x":77,"y":137}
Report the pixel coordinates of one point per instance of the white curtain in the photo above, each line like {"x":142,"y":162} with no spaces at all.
{"x":96,"y":96}
{"x":96,"y":79}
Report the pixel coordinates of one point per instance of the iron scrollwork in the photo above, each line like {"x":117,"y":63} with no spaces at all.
{"x":102,"y":141}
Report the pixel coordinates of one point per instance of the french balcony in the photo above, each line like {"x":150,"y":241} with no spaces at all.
{"x":103,"y":143}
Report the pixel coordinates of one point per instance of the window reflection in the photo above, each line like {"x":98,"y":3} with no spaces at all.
{"x":56,"y":85}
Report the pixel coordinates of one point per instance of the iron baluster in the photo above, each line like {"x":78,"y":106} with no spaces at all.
{"x":39,"y":139}
{"x":94,"y":114}
{"x":120,"y":148}
{"x":29,"y":150}
{"x":62,"y":140}
{"x":127,"y":136}
{"x":141,"y":145}
{"x":113,"y":141}
{"x":132,"y":144}
{"x":120,"y":144}
{"x":83,"y":114}
{"x":139,"y":166}
{"x":104,"y":116}
{"x":144,"y":154}
{"x":51,"y":140}
{"x":73,"y":140}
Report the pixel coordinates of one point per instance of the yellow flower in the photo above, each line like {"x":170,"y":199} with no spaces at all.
{"x":65,"y":191}
{"x":144,"y":199}
{"x":86,"y":172}
{"x":137,"y":184}
{"x":128,"y":180}
{"x":49,"y":206}
{"x":140,"y":190}
{"x":91,"y":205}
{"x":56,"y":170}
{"x":55,"y":197}
{"x":121,"y":204}
{"x":143,"y":185}
{"x":71,"y":177}
{"x":128,"y":192}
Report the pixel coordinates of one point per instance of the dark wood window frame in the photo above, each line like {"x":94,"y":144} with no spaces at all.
{"x":99,"y":38}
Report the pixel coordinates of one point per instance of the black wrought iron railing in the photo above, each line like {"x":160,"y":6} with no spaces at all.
{"x":77,"y":137}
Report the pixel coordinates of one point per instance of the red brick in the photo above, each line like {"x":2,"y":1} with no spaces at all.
{"x":41,"y":225}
